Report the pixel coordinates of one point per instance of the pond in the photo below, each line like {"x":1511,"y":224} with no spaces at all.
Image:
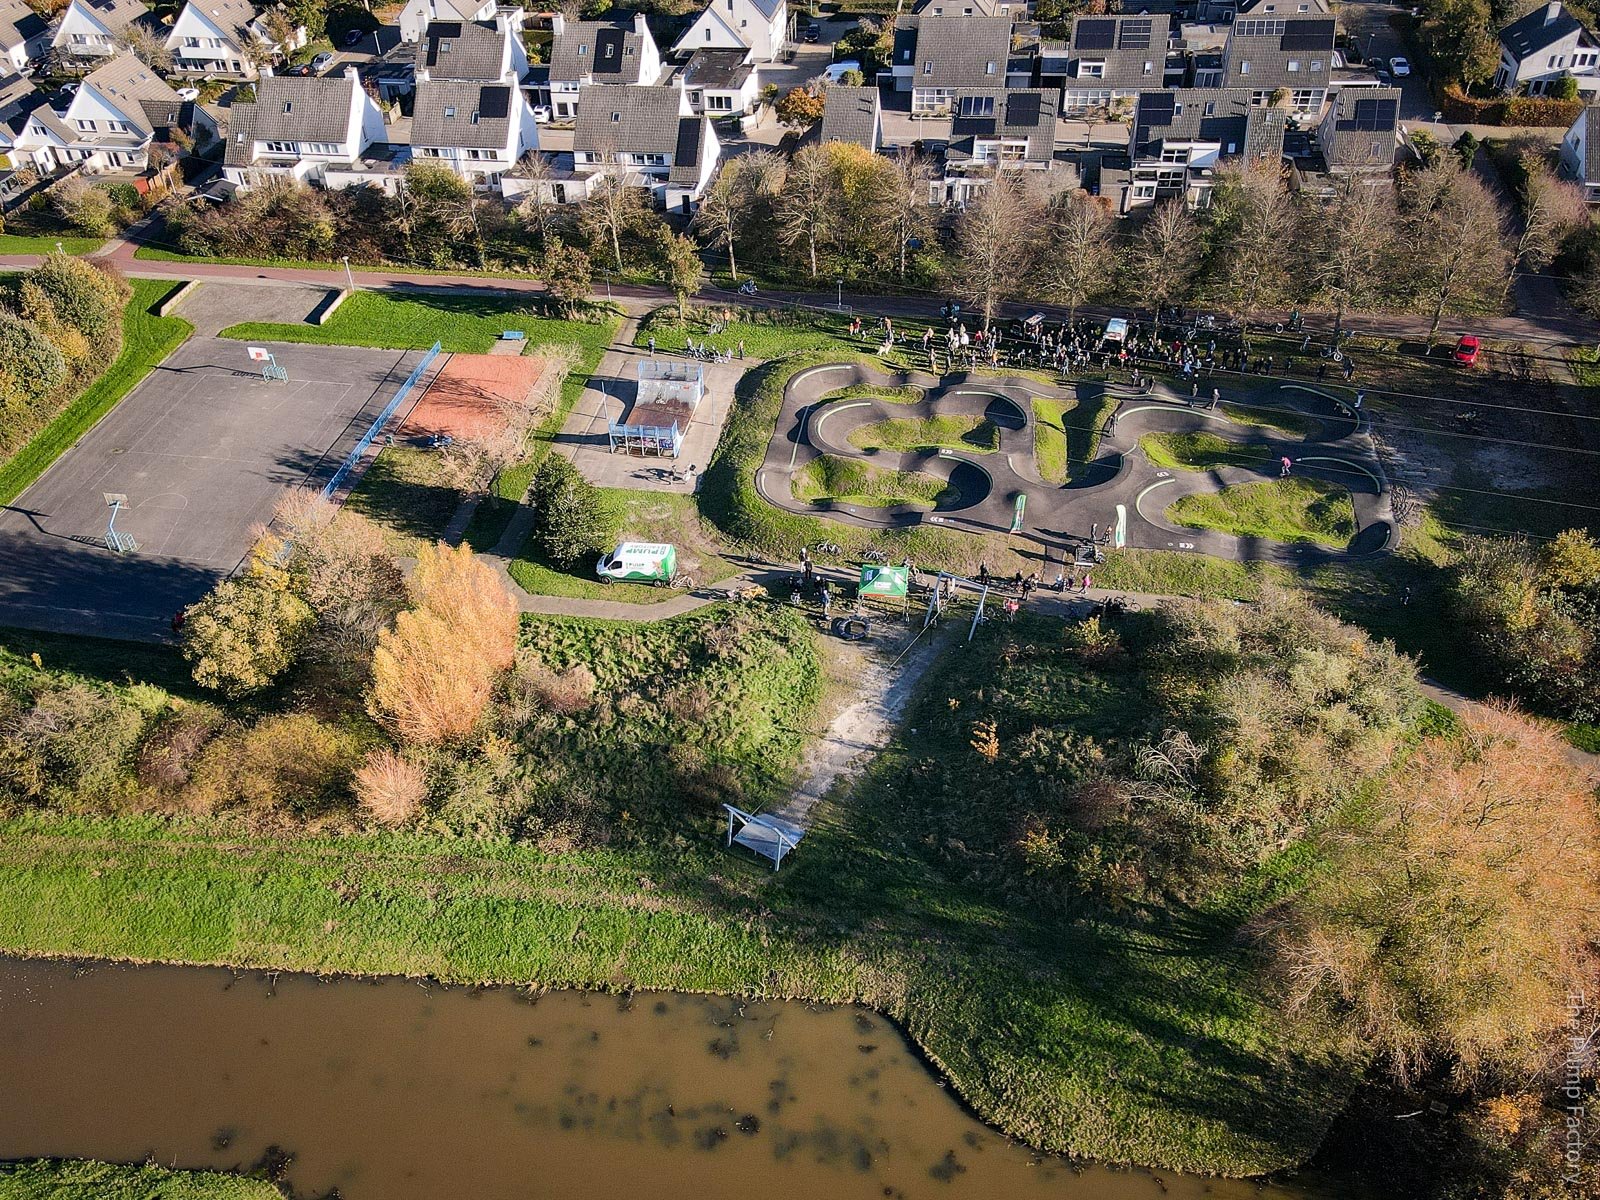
{"x":396,"y":1089}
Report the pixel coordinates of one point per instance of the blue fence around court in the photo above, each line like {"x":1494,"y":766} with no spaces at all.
{"x":389,"y":409}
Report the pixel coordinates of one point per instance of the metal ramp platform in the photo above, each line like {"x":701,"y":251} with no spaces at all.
{"x":770,"y":837}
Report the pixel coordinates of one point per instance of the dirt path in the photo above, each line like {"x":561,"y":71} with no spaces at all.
{"x":863,"y":728}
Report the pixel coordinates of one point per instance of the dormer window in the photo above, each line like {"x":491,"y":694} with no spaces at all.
{"x":449,"y":111}
{"x":444,"y":47}
{"x":288,"y":106}
{"x":927,"y":67}
{"x":616,"y":117}
{"x":582,"y":50}
{"x":988,"y":68}
{"x":474,"y":117}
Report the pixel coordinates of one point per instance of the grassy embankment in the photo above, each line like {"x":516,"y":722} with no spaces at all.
{"x":467,"y":325}
{"x":146,"y":340}
{"x":55,"y":1179}
{"x":831,"y":479}
{"x":1140,"y":1038}
{"x":1198,"y":452}
{"x":1297,"y":509}
{"x":976,"y":435}
{"x":1062,"y":447}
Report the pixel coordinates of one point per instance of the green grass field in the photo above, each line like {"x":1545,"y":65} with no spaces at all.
{"x":1198,"y":452}
{"x":903,"y":393}
{"x":409,"y":492}
{"x":22,"y":243}
{"x":53,"y":1179}
{"x":1066,"y":434}
{"x":1280,"y":420}
{"x":971,"y":433}
{"x":851,"y":481}
{"x":146,"y":340}
{"x":1284,"y":510}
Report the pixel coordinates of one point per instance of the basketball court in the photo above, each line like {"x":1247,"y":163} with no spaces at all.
{"x":202,"y":448}
{"x":474,"y":396}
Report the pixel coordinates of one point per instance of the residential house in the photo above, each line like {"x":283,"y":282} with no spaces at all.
{"x":1224,"y":11}
{"x":1360,"y":130}
{"x":95,"y":28}
{"x":481,"y":51}
{"x":19,"y":99}
{"x":1289,"y":51}
{"x":759,"y":26}
{"x":1545,"y":46}
{"x":1112,"y":59}
{"x":417,"y":15}
{"x":595,"y":52}
{"x":936,"y":58}
{"x":721,"y":83}
{"x":646,"y":135}
{"x":109,"y":121}
{"x":1017,"y":10}
{"x":478,"y":130}
{"x":1580,"y":153}
{"x":24,"y":35}
{"x":224,"y":38}
{"x":996,"y":129}
{"x":1181,"y":136}
{"x":854,"y":115}
{"x":303,"y":127}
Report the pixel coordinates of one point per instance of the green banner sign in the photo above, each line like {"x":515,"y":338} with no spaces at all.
{"x":885,"y":581}
{"x":1016,"y":516}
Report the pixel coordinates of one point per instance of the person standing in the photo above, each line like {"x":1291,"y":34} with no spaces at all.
{"x":1283,"y":467}
{"x":652,"y":345}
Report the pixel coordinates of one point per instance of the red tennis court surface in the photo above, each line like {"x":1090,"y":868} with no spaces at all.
{"x":475,"y":395}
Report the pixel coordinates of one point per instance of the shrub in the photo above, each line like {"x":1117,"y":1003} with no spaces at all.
{"x":245,"y":633}
{"x":434,"y":671}
{"x":391,"y":788}
{"x":84,"y":297}
{"x":290,"y":762}
{"x":168,"y":753}
{"x":67,"y":743}
{"x":571,"y":522}
{"x":31,"y":367}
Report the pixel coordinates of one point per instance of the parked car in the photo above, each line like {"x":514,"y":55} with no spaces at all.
{"x":835,"y":71}
{"x":1399,"y":67}
{"x":1466,"y":350}
{"x":813,"y":33}
{"x":354,"y":37}
{"x":321,"y":63}
{"x":541,"y":114}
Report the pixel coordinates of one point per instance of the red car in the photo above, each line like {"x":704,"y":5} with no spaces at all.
{"x":1466,"y":351}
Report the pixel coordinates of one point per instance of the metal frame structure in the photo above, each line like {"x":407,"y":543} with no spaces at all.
{"x":770,"y":837}
{"x":382,"y":419}
{"x":116,"y":541}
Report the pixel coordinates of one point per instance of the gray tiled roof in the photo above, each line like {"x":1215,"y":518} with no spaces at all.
{"x":1125,"y":44}
{"x":1532,"y":33}
{"x":461,"y":50}
{"x":1358,"y":120}
{"x":632,"y":119}
{"x":610,"y":51}
{"x":19,"y":24}
{"x":116,"y":15}
{"x":303,"y":109}
{"x":851,"y":114}
{"x":230,"y":16}
{"x":961,"y":52}
{"x":1221,"y":115}
{"x":720,"y":70}
{"x":136,"y":90}
{"x":241,"y":135}
{"x":469,"y":115}
{"x":1303,"y":40}
{"x":688,"y":153}
{"x":1006,"y":113}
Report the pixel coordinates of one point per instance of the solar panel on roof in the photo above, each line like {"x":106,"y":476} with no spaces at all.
{"x":1095,"y":35}
{"x":971,"y":126}
{"x":688,"y":147}
{"x":1134,"y":34}
{"x":1157,"y":108}
{"x":1307,"y":35}
{"x":1372,"y":115}
{"x":1022,"y":109}
{"x":608,"y":52}
{"x":494,"y":102}
{"x":449,"y":29}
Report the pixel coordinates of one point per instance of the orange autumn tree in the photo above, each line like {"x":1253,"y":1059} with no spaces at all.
{"x":434,"y":670}
{"x":1450,"y":925}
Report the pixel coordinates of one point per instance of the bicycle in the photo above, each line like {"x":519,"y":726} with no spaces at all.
{"x":828,"y":548}
{"x":875,"y":556}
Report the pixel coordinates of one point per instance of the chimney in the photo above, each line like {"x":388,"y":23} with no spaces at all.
{"x":351,"y":73}
{"x":639,"y":25}
{"x":558,"y":24}
{"x":1552,"y":11}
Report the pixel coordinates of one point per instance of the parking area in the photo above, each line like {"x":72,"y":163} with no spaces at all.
{"x":203,"y":448}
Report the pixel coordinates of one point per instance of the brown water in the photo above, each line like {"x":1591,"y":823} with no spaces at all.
{"x":389,"y":1089}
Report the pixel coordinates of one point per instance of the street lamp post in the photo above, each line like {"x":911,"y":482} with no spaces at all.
{"x":349,"y":278}
{"x":607,"y":271}
{"x":839,"y":298}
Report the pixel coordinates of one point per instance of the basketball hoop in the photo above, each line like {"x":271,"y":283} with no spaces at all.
{"x":259,"y":353}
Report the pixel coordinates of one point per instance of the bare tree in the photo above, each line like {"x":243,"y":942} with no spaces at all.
{"x":1454,"y":235}
{"x":723,"y":211}
{"x":146,"y":46}
{"x":809,"y":203}
{"x":899,"y":202}
{"x":1356,"y":244}
{"x":1081,"y":251}
{"x":1252,"y":216}
{"x":681,"y":268}
{"x":1166,"y":256}
{"x":993,"y":247}
{"x":613,"y":207}
{"x":1551,"y":208}
{"x":539,"y":204}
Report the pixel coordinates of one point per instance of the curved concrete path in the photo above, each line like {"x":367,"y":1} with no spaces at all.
{"x":1338,"y":450}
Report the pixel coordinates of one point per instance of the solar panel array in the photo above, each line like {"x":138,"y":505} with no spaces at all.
{"x":608,"y":51}
{"x":1098,"y":34}
{"x":1134,"y":34}
{"x":494,"y":103}
{"x":1157,"y":108}
{"x":1022,"y":108}
{"x":1308,"y":35}
{"x":1372,"y":116}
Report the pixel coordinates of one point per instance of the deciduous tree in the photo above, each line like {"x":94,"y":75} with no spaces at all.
{"x":615,"y":206}
{"x":799,"y":108}
{"x":570,"y":521}
{"x":1081,"y":249}
{"x":898,"y":203}
{"x":246,"y":632}
{"x":568,"y":275}
{"x":993,"y":249}
{"x":808,"y":207}
{"x":1251,"y":223}
{"x":1166,"y":254}
{"x":681,"y":268}
{"x":1551,"y":209}
{"x":1453,"y":231}
{"x":1355,"y":246}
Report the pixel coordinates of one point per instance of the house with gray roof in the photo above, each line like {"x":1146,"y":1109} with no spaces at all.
{"x":648,"y":137}
{"x":301,"y":127}
{"x":485,"y":51}
{"x":720,"y":83}
{"x":223,"y":39}
{"x":1291,"y":51}
{"x":417,"y":15}
{"x":996,"y":129}
{"x":24,"y":35}
{"x":95,"y":28}
{"x":1112,"y":59}
{"x":585,"y":53}
{"x":852,"y":114}
{"x":936,"y":58}
{"x":1580,"y":153}
{"x":1017,"y":10}
{"x":1545,"y":46}
{"x":478,"y":130}
{"x":759,"y":26}
{"x":1180,"y":136}
{"x":1360,"y":130}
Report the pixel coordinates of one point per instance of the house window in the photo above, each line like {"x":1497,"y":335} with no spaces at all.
{"x":1144,"y":191}
{"x":1177,"y":108}
{"x":1294,"y":66}
{"x":988,"y":69}
{"x":80,"y":39}
{"x":444,"y":47}
{"x":1174,"y":154}
{"x":1211,"y":108}
{"x":190,"y":43}
{"x":927,"y":67}
{"x":582,"y":50}
{"x":280,"y":148}
{"x":1149,"y":67}
{"x":1092,"y":70}
{"x":474,"y":118}
{"x":616,"y":117}
{"x":86,"y":126}
{"x":1377,"y":149}
{"x":719,"y":103}
{"x":449,"y":112}
{"x":1316,"y":65}
{"x":977,"y":106}
{"x":1557,"y":60}
{"x":1306,"y":98}
{"x":1244,"y":67}
{"x":288,"y":106}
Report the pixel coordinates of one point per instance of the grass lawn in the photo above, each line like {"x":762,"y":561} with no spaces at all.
{"x":971,"y":433}
{"x":1285,"y":510}
{"x":1198,"y":452}
{"x":55,"y":1179}
{"x":146,"y":340}
{"x":638,"y":517}
{"x":407,"y":490}
{"x":772,"y":333}
{"x":24,"y":243}
{"x":900,"y":393}
{"x":1062,"y":447}
{"x":153,"y":254}
{"x":851,"y":481}
{"x":1176,"y":573}
{"x":1141,"y":1039}
{"x":1279,"y":420}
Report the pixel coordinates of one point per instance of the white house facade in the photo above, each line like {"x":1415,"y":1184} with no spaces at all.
{"x":94,"y":28}
{"x":1545,"y":46}
{"x":302,"y":128}
{"x":759,"y":26}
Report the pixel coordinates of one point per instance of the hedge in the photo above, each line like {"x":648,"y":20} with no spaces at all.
{"x":1461,"y":109}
